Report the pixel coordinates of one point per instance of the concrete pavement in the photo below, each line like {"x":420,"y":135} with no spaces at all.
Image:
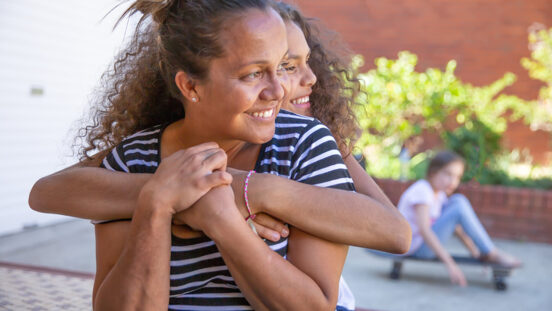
{"x":423,"y":286}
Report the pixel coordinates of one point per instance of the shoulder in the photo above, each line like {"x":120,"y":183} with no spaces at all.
{"x":137,"y":152}
{"x":298,"y":129}
{"x":420,"y":191}
{"x":421,"y":185}
{"x":143,"y":139}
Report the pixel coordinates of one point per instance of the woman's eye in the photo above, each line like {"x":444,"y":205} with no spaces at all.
{"x":253,"y":75}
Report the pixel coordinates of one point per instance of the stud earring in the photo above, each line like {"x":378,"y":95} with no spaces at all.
{"x":194,"y":99}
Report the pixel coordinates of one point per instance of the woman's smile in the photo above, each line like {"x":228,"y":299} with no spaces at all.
{"x":263,"y":115}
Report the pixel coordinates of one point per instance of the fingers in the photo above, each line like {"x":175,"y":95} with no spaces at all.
{"x":462,"y":282}
{"x":217,"y":178}
{"x":215,"y":159}
{"x":201,"y":147}
{"x":266,"y":233}
{"x":272,"y":223}
{"x":457,"y":277}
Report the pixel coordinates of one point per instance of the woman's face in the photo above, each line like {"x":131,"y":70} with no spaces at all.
{"x":448,"y":178}
{"x":241,"y":96}
{"x":300,"y":75}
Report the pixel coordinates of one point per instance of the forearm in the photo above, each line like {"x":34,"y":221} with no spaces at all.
{"x":140,"y":278}
{"x":264,"y":276}
{"x":433,"y":242}
{"x":335,"y":215}
{"x":366,"y":185}
{"x":88,"y":192}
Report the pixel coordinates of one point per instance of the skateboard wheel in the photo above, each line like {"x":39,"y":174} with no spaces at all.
{"x":501,"y":285}
{"x":394,"y":275}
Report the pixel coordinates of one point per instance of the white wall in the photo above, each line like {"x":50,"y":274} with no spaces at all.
{"x":60,"y":47}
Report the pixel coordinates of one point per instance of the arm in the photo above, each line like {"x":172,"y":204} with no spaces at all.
{"x":424,"y":223}
{"x":366,"y":185}
{"x":96,"y":193}
{"x":363,"y":221}
{"x":138,"y":276}
{"x":88,"y":192}
{"x":307,"y":281}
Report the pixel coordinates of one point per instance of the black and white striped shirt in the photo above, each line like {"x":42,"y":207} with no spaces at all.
{"x":302,"y":149}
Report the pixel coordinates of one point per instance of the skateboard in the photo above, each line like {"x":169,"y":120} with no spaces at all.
{"x":500,"y":273}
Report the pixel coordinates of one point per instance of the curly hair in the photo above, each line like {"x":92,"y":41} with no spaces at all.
{"x":333,"y":96}
{"x":138,"y":91}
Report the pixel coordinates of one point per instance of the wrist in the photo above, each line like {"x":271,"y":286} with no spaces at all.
{"x":216,"y":225}
{"x":149,"y":200}
{"x":259,"y":197}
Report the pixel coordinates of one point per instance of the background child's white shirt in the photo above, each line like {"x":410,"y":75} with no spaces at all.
{"x":420,"y":192}
{"x":345,"y":298}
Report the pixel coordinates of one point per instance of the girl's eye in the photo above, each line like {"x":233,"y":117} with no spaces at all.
{"x":287,"y":67}
{"x":283,"y":67}
{"x":291,"y":68}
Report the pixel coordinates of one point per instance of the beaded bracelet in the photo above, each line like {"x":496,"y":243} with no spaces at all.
{"x":251,"y":216}
{"x":248,"y":219}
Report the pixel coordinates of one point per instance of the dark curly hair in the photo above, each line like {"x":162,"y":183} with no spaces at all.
{"x":333,"y":95}
{"x":138,"y":91}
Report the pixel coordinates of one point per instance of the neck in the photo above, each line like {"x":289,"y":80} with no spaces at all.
{"x":433,"y":186}
{"x":184,"y":135}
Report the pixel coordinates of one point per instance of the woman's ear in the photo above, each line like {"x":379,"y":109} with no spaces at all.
{"x":186,"y":85}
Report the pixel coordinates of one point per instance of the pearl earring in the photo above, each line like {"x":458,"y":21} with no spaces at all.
{"x":194,"y":99}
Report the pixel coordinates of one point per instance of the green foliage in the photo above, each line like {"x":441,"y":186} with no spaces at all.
{"x":540,"y":68}
{"x":398,"y":103}
{"x":478,"y":145}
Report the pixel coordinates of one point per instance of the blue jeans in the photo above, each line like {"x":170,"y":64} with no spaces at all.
{"x":457,"y":211}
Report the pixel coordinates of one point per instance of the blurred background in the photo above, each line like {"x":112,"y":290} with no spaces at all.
{"x":52,"y":55}
{"x":474,"y":76}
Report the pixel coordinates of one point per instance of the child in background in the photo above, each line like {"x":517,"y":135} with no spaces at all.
{"x":433,"y":217}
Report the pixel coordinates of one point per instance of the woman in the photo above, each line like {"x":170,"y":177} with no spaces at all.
{"x":371,"y":222}
{"x":143,"y":133}
{"x":434,"y":217}
{"x":223,"y":61}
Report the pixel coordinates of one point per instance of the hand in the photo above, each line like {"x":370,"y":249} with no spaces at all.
{"x":267,"y":227}
{"x":270,"y":228}
{"x":456,"y":275}
{"x":185,"y":176}
{"x":215,"y":207}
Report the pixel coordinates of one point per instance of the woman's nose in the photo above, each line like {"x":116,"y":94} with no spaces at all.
{"x":277,"y":87}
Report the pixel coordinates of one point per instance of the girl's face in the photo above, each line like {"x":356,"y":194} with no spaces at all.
{"x":448,"y":178}
{"x":300,"y":75}
{"x":241,"y":96}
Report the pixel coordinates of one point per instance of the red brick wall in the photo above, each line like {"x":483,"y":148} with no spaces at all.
{"x":486,"y":37}
{"x":510,"y":213}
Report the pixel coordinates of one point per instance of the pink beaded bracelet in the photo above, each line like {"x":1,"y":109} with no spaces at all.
{"x":251,"y":216}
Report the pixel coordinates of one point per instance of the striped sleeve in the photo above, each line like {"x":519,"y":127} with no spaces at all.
{"x":115,"y":160}
{"x":317,"y":160}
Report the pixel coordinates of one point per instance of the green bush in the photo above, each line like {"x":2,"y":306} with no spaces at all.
{"x":540,"y":68}
{"x":398,"y":103}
